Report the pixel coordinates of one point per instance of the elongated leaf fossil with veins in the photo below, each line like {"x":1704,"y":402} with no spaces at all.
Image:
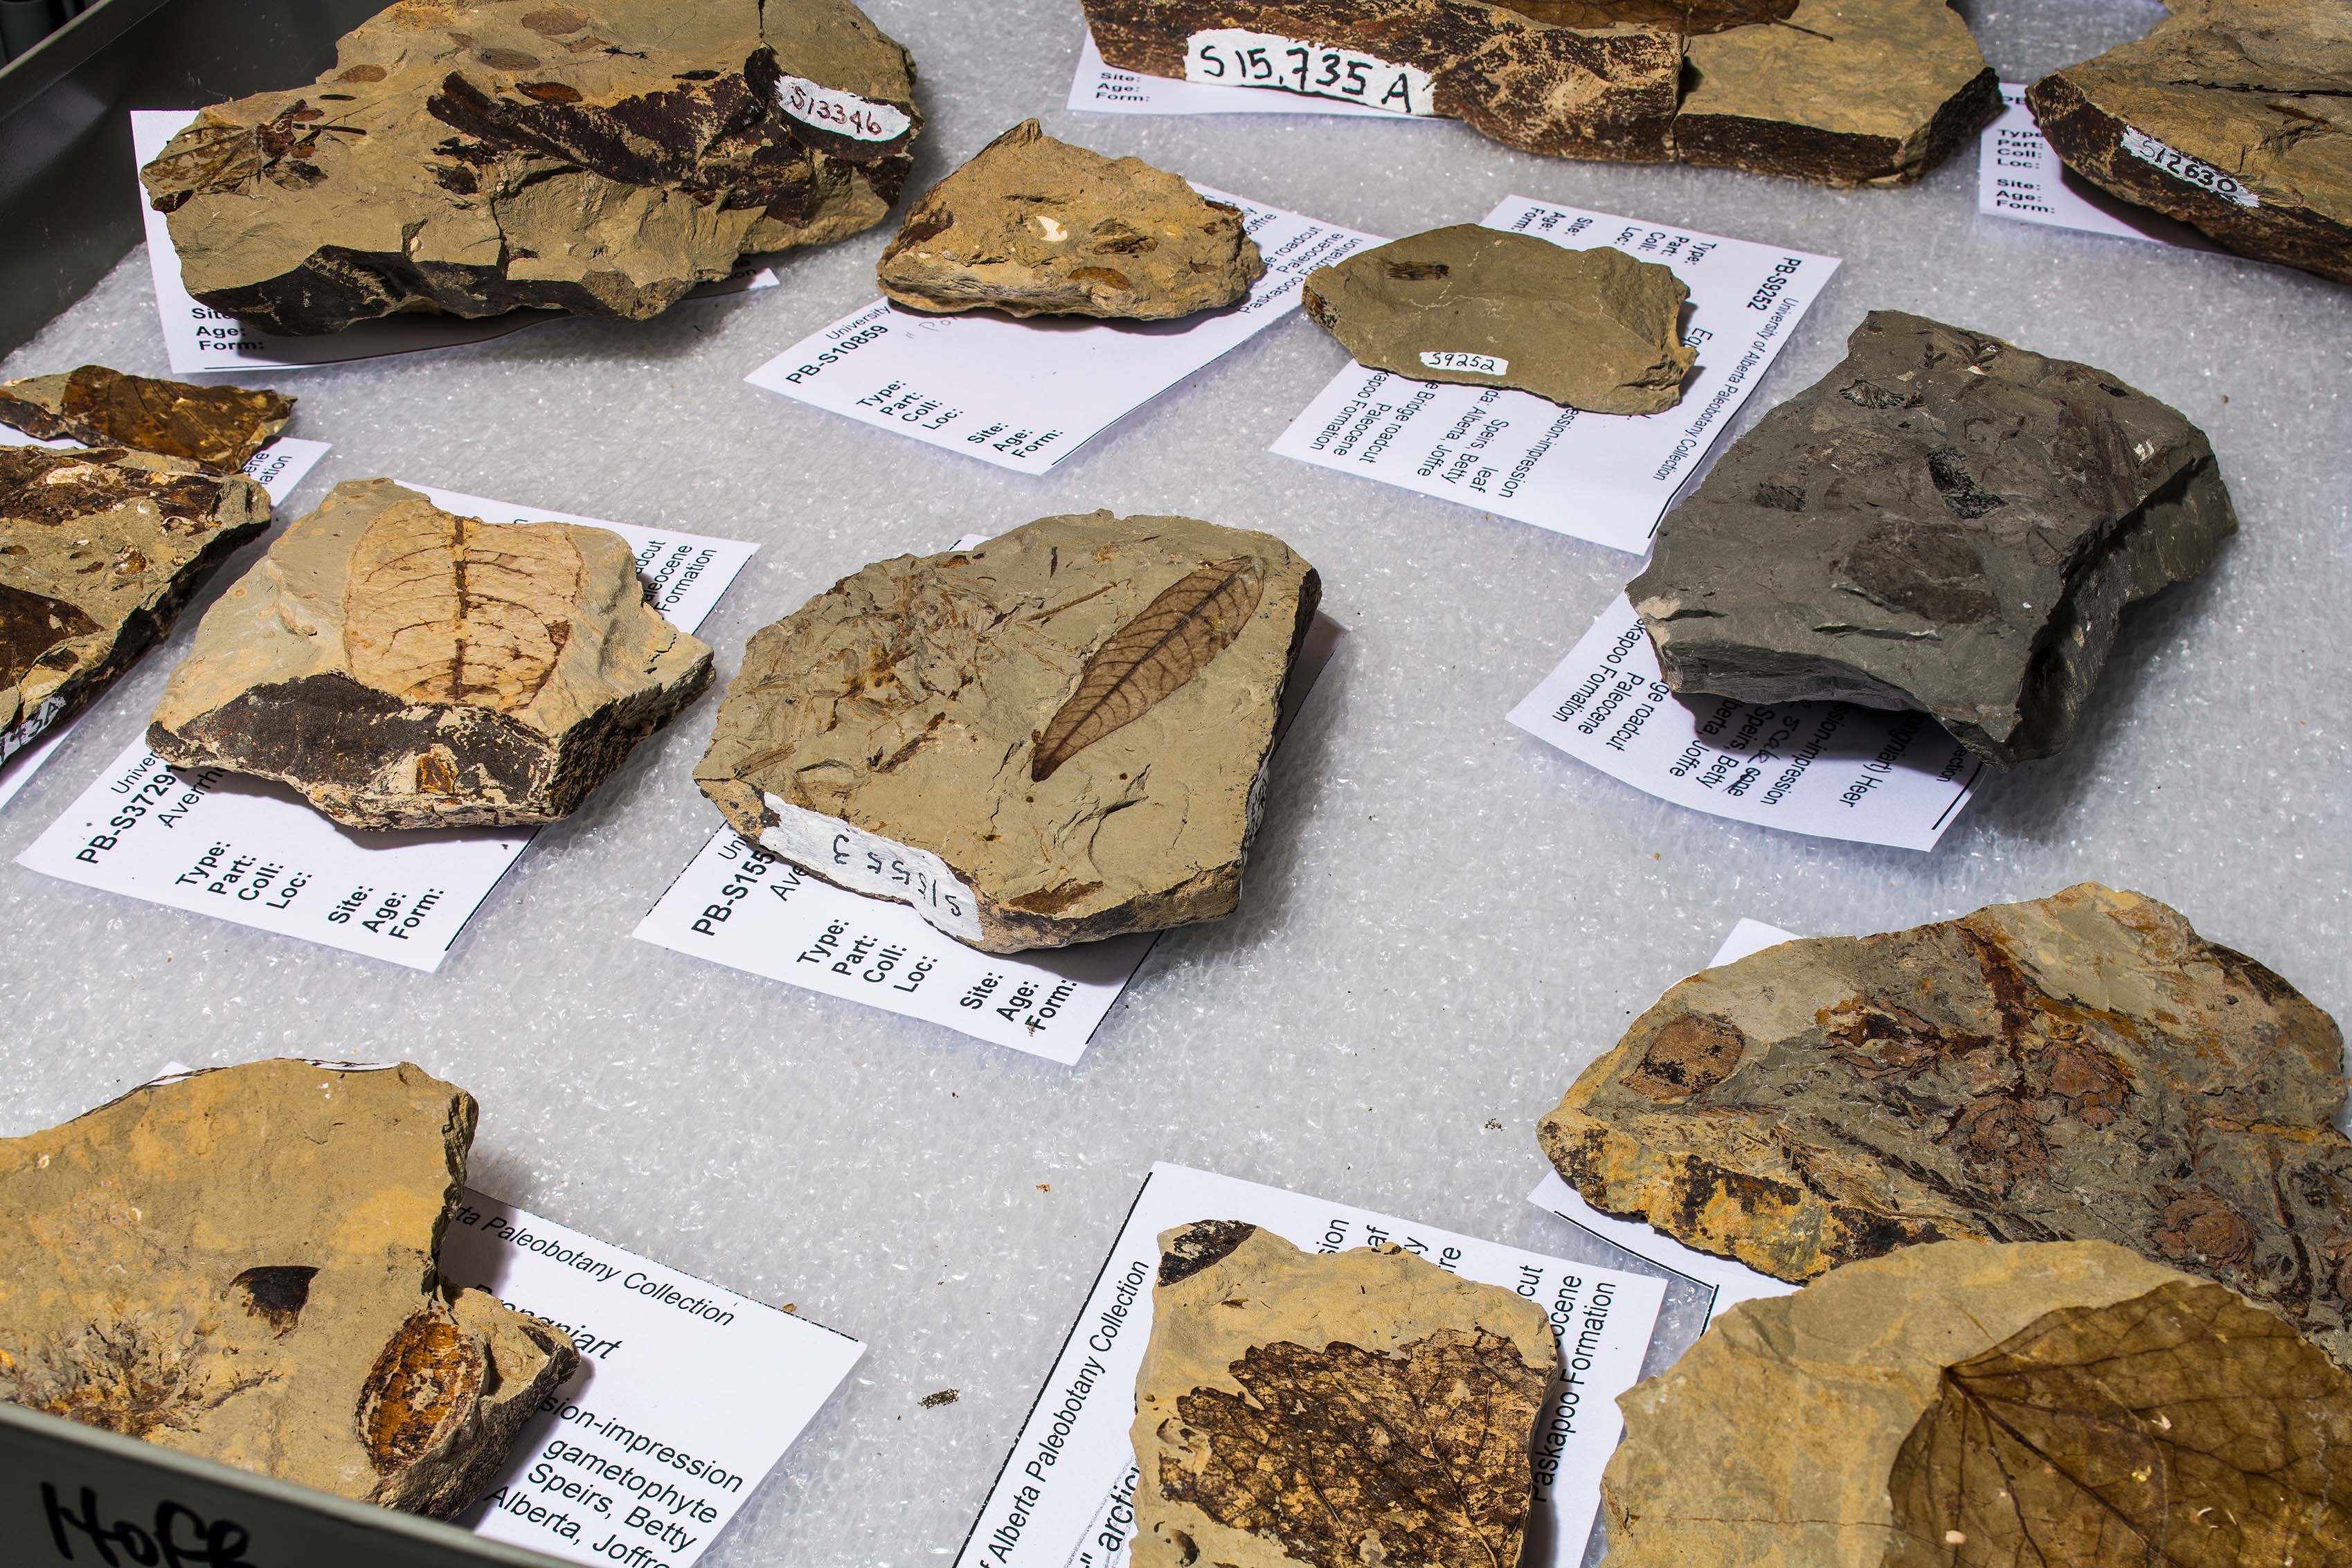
{"x":1151,"y":656}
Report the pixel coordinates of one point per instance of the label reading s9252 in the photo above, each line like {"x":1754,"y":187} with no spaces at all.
{"x":1236,"y":56}
{"x":1468,"y":364}
{"x":2188,"y":170}
{"x":843,"y":113}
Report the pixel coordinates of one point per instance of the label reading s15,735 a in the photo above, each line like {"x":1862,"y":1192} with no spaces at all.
{"x":1236,"y":56}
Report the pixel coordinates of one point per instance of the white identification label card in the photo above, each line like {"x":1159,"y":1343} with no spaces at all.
{"x":843,"y":113}
{"x":1064,"y":1496}
{"x":198,"y":337}
{"x":276,"y":469}
{"x":1236,"y":56}
{"x":1731,"y":1283}
{"x":1025,"y":395}
{"x":1101,"y":88}
{"x":687,"y":1396}
{"x":2020,"y":176}
{"x":252,"y":852}
{"x":742,"y":905}
{"x":1604,"y":477}
{"x":1834,"y":770}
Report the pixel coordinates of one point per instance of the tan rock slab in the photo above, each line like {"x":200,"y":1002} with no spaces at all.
{"x":1332,"y":1409}
{"x":218,"y":428}
{"x":2082,"y":1067}
{"x":407,"y":668}
{"x":2232,"y":115}
{"x":1840,"y":92}
{"x":1057,"y":737}
{"x":1975,"y":1404}
{"x":1034,"y":227}
{"x":98,"y":550}
{"x":604,"y":157}
{"x":1594,"y":329}
{"x":239,"y":1264}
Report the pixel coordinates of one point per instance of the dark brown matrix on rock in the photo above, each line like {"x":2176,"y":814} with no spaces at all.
{"x":2084,"y":1067}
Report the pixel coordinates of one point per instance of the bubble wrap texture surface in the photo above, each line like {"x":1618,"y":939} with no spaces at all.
{"x":1444,"y":919}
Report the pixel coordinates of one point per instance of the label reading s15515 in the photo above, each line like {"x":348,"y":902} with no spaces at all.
{"x":1236,"y":56}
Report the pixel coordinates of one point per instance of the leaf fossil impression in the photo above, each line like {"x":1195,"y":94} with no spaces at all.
{"x":2183,"y":1428}
{"x":1327,"y":1449}
{"x":1151,"y":657}
{"x":447,"y":609}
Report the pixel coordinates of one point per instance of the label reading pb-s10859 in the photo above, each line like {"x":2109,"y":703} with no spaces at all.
{"x":1236,"y":56}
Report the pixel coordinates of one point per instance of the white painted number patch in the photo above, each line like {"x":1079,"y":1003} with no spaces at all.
{"x":2191,"y":171}
{"x":1235,"y":57}
{"x":843,"y":113}
{"x":1476,"y":364}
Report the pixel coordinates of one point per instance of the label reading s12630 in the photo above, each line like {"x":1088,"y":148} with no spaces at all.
{"x":2190,"y":170}
{"x":843,"y":113}
{"x":1236,"y":56}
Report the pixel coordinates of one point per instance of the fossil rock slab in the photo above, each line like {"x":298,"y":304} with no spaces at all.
{"x":1362,"y":1407}
{"x":240,"y":1264}
{"x":1980,"y":1405}
{"x":602,"y":157}
{"x":2081,"y":1066}
{"x":1842,"y":92}
{"x":99,"y":549}
{"x":1947,"y":522}
{"x":1588,"y":328}
{"x":216,"y":428}
{"x":404,"y":667}
{"x":2233,"y":116}
{"x":1057,"y":737}
{"x":1034,"y":227}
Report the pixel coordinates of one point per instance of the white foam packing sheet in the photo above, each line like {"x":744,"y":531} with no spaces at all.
{"x":2020,"y":176}
{"x":198,"y":339}
{"x":1028,"y":395}
{"x":742,"y":905}
{"x":276,"y":469}
{"x":1831,"y":770}
{"x":1443,"y":922}
{"x":1064,"y":1495}
{"x":253,"y":851}
{"x":1599,"y":476}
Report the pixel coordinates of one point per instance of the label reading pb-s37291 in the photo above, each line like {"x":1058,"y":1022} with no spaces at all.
{"x":1236,"y":56}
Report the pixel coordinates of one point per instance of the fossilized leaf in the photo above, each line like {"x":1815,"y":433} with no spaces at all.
{"x":219,"y":427}
{"x":444,"y":608}
{"x":422,"y":1386}
{"x":30,"y":625}
{"x":2182,"y":1428}
{"x":1412,"y":1460}
{"x":1151,"y":656}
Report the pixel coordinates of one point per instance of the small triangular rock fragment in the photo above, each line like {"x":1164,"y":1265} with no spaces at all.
{"x":1945,"y":522}
{"x":602,"y":157}
{"x":1332,"y":1409}
{"x":1034,"y":227}
{"x":1974,"y":1405}
{"x":2082,"y":1067}
{"x":99,"y":549}
{"x":2233,"y":115}
{"x":218,"y":428}
{"x":240,"y":1264}
{"x":407,"y":667}
{"x":1057,"y":737}
{"x":1594,"y":329}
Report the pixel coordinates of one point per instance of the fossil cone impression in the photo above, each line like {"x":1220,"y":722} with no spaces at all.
{"x":405,"y":667}
{"x":1034,"y":227}
{"x":1945,"y":522}
{"x":218,"y":429}
{"x":602,"y":157}
{"x":1355,"y":1407}
{"x":99,"y":549}
{"x":1840,"y":92}
{"x":239,"y":1264}
{"x":1593,"y":330}
{"x":2232,"y":116}
{"x":1057,"y":737}
{"x":1979,"y":1404}
{"x":2083,"y":1067}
